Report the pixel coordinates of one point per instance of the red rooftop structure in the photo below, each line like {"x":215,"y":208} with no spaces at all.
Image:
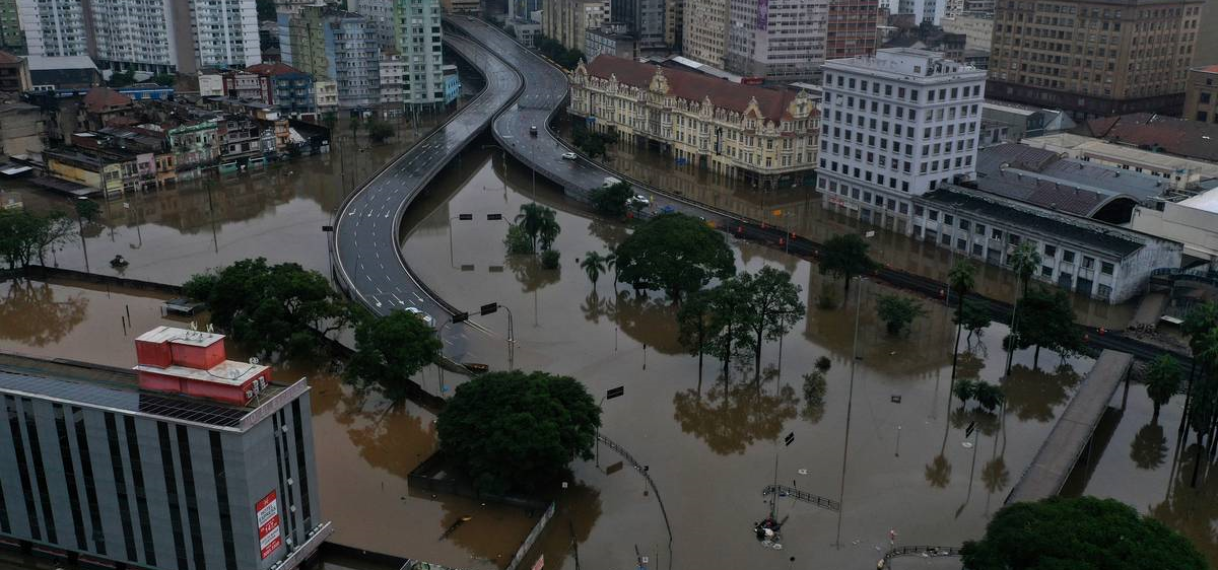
{"x":194,"y":363}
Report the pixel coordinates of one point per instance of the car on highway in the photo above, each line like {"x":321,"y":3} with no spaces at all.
{"x":640,"y":201}
{"x":424,"y":316}
{"x":569,"y":156}
{"x":533,"y":130}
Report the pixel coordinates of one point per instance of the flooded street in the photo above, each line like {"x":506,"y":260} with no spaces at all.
{"x":710,"y":443}
{"x":365,"y":446}
{"x":800,"y":210}
{"x":276,"y":212}
{"x":883,"y":440}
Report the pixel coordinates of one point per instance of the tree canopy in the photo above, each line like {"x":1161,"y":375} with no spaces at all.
{"x":1162,"y":380}
{"x":539,"y":223}
{"x":612,"y":200}
{"x":697,"y":325}
{"x":275,"y":310}
{"x":1083,"y":533}
{"x":517,"y":431}
{"x":898,"y":312}
{"x":771,"y":305}
{"x":380,"y":131}
{"x":675,"y":253}
{"x":1045,"y":318}
{"x":25,"y":235}
{"x":554,"y":50}
{"x":845,"y":257}
{"x":389,"y":350}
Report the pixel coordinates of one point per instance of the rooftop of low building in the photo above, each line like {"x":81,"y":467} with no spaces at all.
{"x":696,"y":87}
{"x":1158,"y":133}
{"x":1045,"y":179}
{"x":117,"y":389}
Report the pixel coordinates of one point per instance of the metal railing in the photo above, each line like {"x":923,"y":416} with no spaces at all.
{"x":815,"y":500}
{"x":650,"y":483}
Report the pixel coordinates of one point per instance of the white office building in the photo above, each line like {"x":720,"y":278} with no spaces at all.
{"x":53,"y":28}
{"x":782,"y":40}
{"x":895,"y":126}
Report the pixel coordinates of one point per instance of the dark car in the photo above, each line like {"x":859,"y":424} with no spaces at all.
{"x":533,"y":130}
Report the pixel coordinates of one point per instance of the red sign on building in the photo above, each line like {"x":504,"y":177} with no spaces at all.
{"x":269,"y":537}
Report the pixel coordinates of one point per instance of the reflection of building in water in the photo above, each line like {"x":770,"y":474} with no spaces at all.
{"x":191,"y":461}
{"x":757,"y":133}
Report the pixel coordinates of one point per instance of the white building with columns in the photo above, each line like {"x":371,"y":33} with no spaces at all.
{"x":893,"y":127}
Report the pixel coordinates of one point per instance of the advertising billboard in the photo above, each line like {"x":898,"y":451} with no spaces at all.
{"x":269,"y":536}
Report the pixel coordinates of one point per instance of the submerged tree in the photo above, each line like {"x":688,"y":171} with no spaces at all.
{"x":771,"y":305}
{"x":1162,"y":381}
{"x":275,"y":310}
{"x":517,"y":431}
{"x":1083,"y":533}
{"x":845,"y":257}
{"x":898,"y":312}
{"x":675,"y":253}
{"x":389,"y":350}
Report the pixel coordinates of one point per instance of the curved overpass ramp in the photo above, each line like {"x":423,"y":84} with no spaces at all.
{"x":545,"y":91}
{"x":368,"y":263}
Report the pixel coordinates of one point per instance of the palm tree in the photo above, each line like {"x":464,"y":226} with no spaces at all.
{"x":1162,"y":382}
{"x":611,"y":265}
{"x":962,"y":280}
{"x":593,"y":264}
{"x":1199,"y":321}
{"x":1025,"y":260}
{"x":540,"y":223}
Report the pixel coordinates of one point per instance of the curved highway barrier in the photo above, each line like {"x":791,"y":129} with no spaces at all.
{"x":368,"y":263}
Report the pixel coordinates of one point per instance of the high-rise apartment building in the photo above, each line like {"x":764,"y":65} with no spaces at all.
{"x":138,"y":36}
{"x":328,"y":42}
{"x":190,"y":461}
{"x":12,"y":37}
{"x":54,"y":28}
{"x":782,"y":40}
{"x":380,"y":15}
{"x":928,"y":11}
{"x":646,"y":19}
{"x":674,"y":22}
{"x":155,"y":36}
{"x":223,"y":32}
{"x":1094,"y":58}
{"x":705,"y":31}
{"x":894,"y":126}
{"x":852,"y":29}
{"x":1201,"y":97}
{"x":567,"y":21}
{"x":419,"y":41}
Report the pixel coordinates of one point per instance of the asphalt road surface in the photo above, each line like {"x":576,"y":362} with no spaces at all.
{"x":368,"y":259}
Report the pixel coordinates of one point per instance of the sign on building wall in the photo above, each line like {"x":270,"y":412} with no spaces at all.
{"x":269,"y":537}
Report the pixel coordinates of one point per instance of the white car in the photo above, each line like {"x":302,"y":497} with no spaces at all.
{"x":420,"y":314}
{"x":640,"y":201}
{"x":569,"y":156}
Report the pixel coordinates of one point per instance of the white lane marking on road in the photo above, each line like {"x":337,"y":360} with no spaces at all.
{"x":399,"y":299}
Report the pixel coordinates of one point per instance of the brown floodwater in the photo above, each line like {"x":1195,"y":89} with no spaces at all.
{"x":365,"y":446}
{"x":276,"y":212}
{"x":890,"y":449}
{"x":800,"y":210}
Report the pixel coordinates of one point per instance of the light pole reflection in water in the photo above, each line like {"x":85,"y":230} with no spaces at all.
{"x":854,"y":358}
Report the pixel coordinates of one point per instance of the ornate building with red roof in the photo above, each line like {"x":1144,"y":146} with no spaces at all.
{"x":766,"y":135}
